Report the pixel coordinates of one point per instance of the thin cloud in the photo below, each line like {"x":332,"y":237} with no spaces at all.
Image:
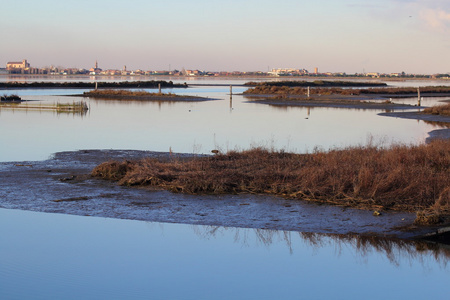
{"x":436,"y":19}
{"x":435,"y":14}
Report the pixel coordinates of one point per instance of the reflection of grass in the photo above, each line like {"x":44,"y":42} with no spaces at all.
{"x":441,"y":110}
{"x":74,"y":107}
{"x":409,"y":178}
{"x":394,"y":249}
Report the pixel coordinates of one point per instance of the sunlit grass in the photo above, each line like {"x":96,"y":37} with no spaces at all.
{"x":413,"y":178}
{"x":441,"y":110}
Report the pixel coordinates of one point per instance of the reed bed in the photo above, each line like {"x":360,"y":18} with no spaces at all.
{"x":413,"y":178}
{"x":124,"y":93}
{"x":440,"y":110}
{"x":297,"y":90}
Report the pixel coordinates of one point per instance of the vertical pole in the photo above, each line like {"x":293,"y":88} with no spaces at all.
{"x":418,"y":96}
{"x":231,"y":98}
{"x":96,"y":85}
{"x":308,"y":93}
{"x":159,"y":87}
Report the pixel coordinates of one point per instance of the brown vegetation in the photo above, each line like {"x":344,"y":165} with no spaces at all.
{"x":316,"y":83}
{"x":409,"y":178}
{"x":441,"y":110}
{"x":393,"y":91}
{"x":124,"y":93}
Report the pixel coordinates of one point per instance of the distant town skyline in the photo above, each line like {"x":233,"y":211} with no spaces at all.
{"x":352,"y":36}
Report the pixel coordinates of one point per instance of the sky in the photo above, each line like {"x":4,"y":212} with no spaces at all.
{"x":351,"y":36}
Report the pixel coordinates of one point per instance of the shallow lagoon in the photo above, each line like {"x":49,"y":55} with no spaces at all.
{"x":45,"y":256}
{"x":60,"y":256}
{"x":193,"y":127}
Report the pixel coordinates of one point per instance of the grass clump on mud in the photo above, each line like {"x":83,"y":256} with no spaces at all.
{"x":124,"y":93}
{"x":112,"y":94}
{"x":336,"y":90}
{"x":440,"y":110}
{"x":402,"y":177}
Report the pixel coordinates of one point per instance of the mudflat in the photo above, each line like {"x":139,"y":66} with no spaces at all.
{"x":63,"y":184}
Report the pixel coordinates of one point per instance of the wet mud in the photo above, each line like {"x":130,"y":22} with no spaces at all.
{"x":62,"y":184}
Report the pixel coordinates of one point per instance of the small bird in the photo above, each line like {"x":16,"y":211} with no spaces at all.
{"x":215,"y":151}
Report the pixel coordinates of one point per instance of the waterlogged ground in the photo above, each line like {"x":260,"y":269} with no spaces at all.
{"x":63,"y":185}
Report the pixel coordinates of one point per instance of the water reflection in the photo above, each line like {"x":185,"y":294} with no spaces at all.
{"x":230,"y":124}
{"x":438,"y":124}
{"x":43,"y":110}
{"x":52,"y":256}
{"x":395,"y":250}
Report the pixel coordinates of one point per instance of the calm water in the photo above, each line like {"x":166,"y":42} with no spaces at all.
{"x":45,"y":256}
{"x":193,"y":127}
{"x":51,"y":256}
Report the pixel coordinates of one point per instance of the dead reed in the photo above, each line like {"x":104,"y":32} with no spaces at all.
{"x":124,"y":93}
{"x":301,"y":90}
{"x":442,"y":110}
{"x":402,"y":177}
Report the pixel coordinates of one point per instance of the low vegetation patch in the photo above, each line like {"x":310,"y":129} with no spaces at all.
{"x":441,"y":110}
{"x":10,"y":98}
{"x":316,"y":83}
{"x":408,"y":178}
{"x":125,"y":93}
{"x":112,"y":94}
{"x":318,"y":90}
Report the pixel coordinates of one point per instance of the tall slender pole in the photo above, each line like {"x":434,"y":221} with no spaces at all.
{"x":159,"y":87}
{"x":231,"y":98}
{"x":418,"y":96}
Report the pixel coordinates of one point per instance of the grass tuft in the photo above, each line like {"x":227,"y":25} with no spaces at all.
{"x":441,"y":110}
{"x":402,"y":177}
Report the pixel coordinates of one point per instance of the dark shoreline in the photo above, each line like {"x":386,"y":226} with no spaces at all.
{"x":84,"y":85}
{"x":355,"y":102}
{"x":174,"y":98}
{"x":62,"y":184}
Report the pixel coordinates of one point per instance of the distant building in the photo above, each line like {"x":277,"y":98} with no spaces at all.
{"x":17,"y":67}
{"x":95,"y":70}
{"x":287,"y":72}
{"x":373,"y":75}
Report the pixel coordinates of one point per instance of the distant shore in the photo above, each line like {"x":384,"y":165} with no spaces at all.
{"x":91,"y":85}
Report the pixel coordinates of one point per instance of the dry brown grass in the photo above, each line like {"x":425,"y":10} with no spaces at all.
{"x":394,"y":91}
{"x":442,"y":110}
{"x":408,"y":178}
{"x":124,"y":93}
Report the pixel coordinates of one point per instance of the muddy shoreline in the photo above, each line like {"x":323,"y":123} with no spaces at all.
{"x":174,"y":98}
{"x":353,"y":102}
{"x":62,"y":184}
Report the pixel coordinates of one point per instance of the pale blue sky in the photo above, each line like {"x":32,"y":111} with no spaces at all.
{"x":337,"y":36}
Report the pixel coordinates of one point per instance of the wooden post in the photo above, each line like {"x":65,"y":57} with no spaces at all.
{"x":308,"y":93}
{"x":159,"y":87}
{"x":231,"y":98}
{"x":96,"y":85}
{"x":418,"y":96}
